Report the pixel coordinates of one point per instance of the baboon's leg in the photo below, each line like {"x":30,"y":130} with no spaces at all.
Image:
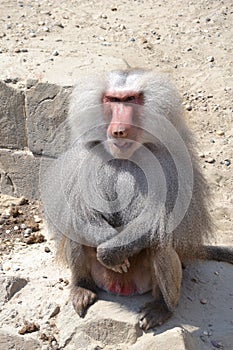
{"x":167,"y":277}
{"x":82,"y":285}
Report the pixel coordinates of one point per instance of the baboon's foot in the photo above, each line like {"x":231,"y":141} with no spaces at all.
{"x":153,"y":314}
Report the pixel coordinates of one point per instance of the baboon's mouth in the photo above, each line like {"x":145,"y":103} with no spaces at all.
{"x":123,"y":145}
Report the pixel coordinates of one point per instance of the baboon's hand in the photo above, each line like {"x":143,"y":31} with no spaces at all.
{"x":124,"y":267}
{"x":81,"y":299}
{"x":111,"y":261}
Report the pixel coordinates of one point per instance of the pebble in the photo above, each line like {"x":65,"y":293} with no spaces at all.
{"x":6,"y":266}
{"x":47,"y":250}
{"x":6,"y":215}
{"x":203,"y":301}
{"x":16,"y":228}
{"x":37,"y":219}
{"x":55,"y":53}
{"x":27,"y":232}
{"x":227,"y":162}
{"x":132,"y":40}
{"x":60,"y":25}
{"x":188,"y":107}
{"x":54,"y":343}
{"x":220,"y":132}
{"x":55,"y":312}
{"x":2,"y":221}
{"x":206,"y":333}
{"x":106,"y":43}
{"x":210,"y":58}
{"x":210,"y":160}
{"x":8,"y":231}
{"x":7,"y":80}
{"x":216,"y":344}
{"x":23,"y":226}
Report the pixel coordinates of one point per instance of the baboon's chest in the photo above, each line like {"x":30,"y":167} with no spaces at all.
{"x":124,"y":188}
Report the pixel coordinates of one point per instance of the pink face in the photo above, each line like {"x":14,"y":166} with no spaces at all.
{"x":122,"y":114}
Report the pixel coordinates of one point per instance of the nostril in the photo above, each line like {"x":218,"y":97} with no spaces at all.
{"x":120,"y":133}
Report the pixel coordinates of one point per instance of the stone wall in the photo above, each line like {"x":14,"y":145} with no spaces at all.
{"x":29,"y":119}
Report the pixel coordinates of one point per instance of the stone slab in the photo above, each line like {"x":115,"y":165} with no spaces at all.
{"x":46,"y":110}
{"x":12,"y":118}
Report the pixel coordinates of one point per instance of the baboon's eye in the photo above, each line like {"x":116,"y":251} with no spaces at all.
{"x":113,"y":99}
{"x":130,"y":99}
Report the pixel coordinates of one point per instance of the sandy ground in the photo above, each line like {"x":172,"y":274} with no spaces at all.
{"x":56,"y":41}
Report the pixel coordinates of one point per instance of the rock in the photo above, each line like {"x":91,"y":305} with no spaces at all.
{"x":210,"y":59}
{"x":188,"y":107}
{"x":12,"y":117}
{"x":9,"y":286}
{"x":46,"y":108}
{"x":109,"y":322}
{"x":16,"y":342}
{"x":35,"y":238}
{"x":203,"y":301}
{"x":227,"y":162}
{"x":29,"y":327}
{"x":210,"y":160}
{"x":27,"y":232}
{"x":176,"y":338}
{"x":55,"y":311}
{"x":111,"y":332}
{"x":55,"y":53}
{"x":220,"y":132}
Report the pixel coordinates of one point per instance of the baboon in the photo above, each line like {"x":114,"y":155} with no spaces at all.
{"x":128,"y":203}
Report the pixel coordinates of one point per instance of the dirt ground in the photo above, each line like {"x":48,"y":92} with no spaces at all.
{"x":191,"y":41}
